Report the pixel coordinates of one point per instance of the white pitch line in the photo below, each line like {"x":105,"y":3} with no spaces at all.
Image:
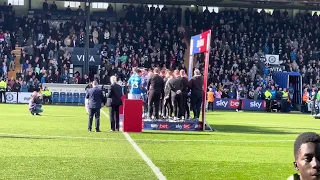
{"x":154,"y":168}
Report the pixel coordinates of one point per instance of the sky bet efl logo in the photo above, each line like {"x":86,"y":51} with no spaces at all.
{"x":256,"y":104}
{"x":234,"y":104}
{"x":227,"y":104}
{"x":163,"y":126}
{"x":247,"y":104}
{"x":222,"y":103}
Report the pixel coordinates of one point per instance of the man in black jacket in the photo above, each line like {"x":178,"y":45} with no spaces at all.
{"x":115,"y":94}
{"x":167,"y":106}
{"x":155,"y":89}
{"x":176,"y":87}
{"x":196,"y":87}
{"x":95,"y":98}
{"x":185,"y":91}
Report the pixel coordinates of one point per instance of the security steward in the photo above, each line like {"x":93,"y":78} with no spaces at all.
{"x":46,"y":93}
{"x":268,"y":96}
{"x":3,"y":89}
{"x":284,"y":100}
{"x":305,"y":99}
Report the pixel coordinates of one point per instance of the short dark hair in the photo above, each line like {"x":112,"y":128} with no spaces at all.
{"x":305,"y":138}
{"x":137,"y":70}
{"x":156,"y":70}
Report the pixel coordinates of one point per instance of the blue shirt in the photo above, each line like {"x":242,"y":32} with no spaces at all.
{"x":273,"y":93}
{"x":266,"y":71}
{"x":144,"y":81}
{"x":24,"y":88}
{"x":135,"y":83}
{"x":291,"y":90}
{"x":43,"y":80}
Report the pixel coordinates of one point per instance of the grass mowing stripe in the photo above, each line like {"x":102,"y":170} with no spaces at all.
{"x":154,"y":168}
{"x":144,"y":140}
{"x":58,"y":137}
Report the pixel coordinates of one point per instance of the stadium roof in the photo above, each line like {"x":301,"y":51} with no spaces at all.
{"x":267,"y":4}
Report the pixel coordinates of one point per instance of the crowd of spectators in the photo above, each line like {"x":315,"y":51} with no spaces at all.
{"x":153,"y":37}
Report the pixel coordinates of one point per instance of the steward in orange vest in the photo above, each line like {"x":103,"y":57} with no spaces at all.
{"x":305,"y":99}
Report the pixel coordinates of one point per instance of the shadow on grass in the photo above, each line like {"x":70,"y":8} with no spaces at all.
{"x":22,"y":137}
{"x":188,"y":133}
{"x":57,"y":115}
{"x":249,"y":129}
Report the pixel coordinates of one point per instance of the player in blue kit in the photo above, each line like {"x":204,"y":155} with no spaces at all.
{"x":135,"y":84}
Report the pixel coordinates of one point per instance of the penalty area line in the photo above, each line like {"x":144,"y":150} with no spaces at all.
{"x":149,"y":162}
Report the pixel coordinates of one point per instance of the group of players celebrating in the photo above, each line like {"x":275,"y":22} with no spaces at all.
{"x":165,"y":93}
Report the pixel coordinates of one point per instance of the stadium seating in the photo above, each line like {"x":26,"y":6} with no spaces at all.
{"x":63,"y":97}
{"x":69,"y":97}
{"x":55,"y":97}
{"x":82,"y":97}
{"x":76,"y":97}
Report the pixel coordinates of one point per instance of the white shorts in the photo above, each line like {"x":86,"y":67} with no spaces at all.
{"x":134,"y":96}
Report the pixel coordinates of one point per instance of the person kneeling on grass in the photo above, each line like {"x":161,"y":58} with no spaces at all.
{"x":307,"y":157}
{"x":35,"y":106}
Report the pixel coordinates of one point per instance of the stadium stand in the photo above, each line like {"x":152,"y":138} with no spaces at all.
{"x":45,"y":47}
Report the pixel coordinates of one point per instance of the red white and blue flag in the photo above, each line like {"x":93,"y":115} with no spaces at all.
{"x":200,"y":43}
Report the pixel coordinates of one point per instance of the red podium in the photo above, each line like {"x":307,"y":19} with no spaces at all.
{"x":132,"y":115}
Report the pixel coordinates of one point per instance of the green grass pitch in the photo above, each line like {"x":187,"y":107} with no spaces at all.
{"x":248,"y":146}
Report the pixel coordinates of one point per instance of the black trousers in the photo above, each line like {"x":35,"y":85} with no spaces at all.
{"x":240,"y":105}
{"x":196,"y":101}
{"x":3,"y":94}
{"x":177,"y":101}
{"x":210,"y":106}
{"x":304,"y":107}
{"x":114,"y":117}
{"x":187,"y":108}
{"x":167,"y":108}
{"x":161,"y":106}
{"x":47,"y":99}
{"x":153,"y":104}
{"x":183,"y":107}
{"x":284,"y":105}
{"x":268,"y":105}
{"x":96,"y":113}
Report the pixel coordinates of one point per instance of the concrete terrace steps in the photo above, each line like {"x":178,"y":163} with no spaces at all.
{"x":17,"y":52}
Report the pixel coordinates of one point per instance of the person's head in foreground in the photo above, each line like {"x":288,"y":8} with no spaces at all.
{"x":307,"y":156}
{"x":113,"y":79}
{"x":95,"y":84}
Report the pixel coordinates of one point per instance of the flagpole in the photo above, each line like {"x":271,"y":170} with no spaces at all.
{"x":190,"y":60}
{"x":205,"y":80}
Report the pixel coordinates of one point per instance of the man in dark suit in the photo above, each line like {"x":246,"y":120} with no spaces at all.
{"x":95,"y":98}
{"x":185,"y":91}
{"x":196,"y":87}
{"x":155,"y":89}
{"x":167,"y":107}
{"x":176,"y":86}
{"x":115,"y":94}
